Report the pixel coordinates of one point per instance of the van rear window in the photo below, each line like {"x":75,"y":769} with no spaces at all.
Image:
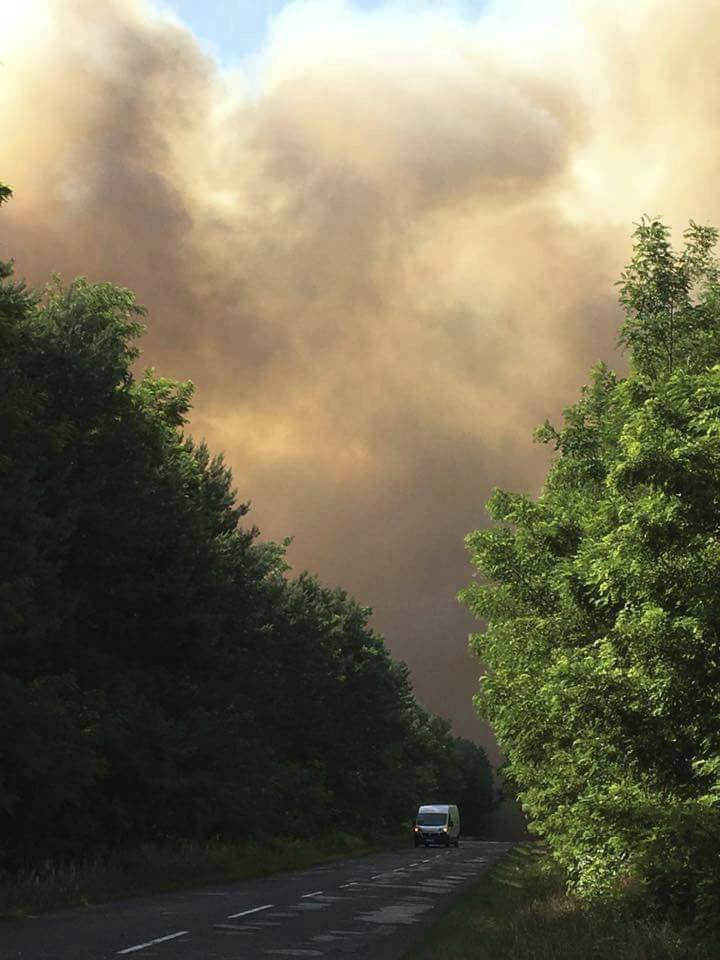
{"x":431,"y":819}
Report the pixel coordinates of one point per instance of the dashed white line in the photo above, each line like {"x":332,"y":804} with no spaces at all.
{"x":244,"y":913}
{"x":149,"y":943}
{"x":313,"y":894}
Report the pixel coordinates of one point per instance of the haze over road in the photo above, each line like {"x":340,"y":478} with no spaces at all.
{"x":371,"y":909}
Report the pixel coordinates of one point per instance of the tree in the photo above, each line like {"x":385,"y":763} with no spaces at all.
{"x":477,"y":794}
{"x":161,"y":677}
{"x":601,"y":601}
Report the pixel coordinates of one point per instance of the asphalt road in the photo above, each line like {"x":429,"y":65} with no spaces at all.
{"x":368,"y":909}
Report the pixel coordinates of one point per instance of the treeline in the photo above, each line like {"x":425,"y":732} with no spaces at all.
{"x":602,"y":598}
{"x":161,"y":675}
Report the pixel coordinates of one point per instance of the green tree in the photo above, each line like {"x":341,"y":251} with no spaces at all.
{"x":161,"y":677}
{"x":477,"y":794}
{"x":601,"y":601}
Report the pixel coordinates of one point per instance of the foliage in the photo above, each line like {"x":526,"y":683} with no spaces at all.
{"x":161,"y":677}
{"x":601,"y":597}
{"x":477,"y":794}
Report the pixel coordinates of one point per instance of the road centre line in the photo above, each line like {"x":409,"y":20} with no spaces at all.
{"x":314,"y":894}
{"x":244,"y":913}
{"x":149,"y":943}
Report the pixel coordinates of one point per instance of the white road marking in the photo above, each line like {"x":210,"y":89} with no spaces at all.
{"x":313,"y":894}
{"x":141,"y":946}
{"x":353,"y":883}
{"x":377,"y":875}
{"x":244,"y":913}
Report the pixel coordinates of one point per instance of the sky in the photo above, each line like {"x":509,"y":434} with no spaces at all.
{"x":382,"y":242}
{"x":234,"y":30}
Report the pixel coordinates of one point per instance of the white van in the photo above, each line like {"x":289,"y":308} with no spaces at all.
{"x":437,"y":823}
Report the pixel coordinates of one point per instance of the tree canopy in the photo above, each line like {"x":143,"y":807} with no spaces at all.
{"x":601,"y":599}
{"x":161,"y":674}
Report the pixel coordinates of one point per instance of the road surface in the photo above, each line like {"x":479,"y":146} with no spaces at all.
{"x":371,"y":908}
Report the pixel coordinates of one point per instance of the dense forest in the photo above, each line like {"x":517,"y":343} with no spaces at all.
{"x":602,"y":603}
{"x":161,"y":675}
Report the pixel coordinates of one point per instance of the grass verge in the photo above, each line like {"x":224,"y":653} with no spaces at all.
{"x":519,"y":911}
{"x":181,"y":866}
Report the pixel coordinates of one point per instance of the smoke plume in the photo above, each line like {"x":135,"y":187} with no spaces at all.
{"x":383,"y":248}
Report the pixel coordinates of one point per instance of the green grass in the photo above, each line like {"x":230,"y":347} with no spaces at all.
{"x":519,"y":911}
{"x":181,"y":866}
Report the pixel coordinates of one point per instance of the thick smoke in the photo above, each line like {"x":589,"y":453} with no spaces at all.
{"x":383,"y":249}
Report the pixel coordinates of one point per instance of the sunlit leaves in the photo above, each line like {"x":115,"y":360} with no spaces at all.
{"x":601,"y":600}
